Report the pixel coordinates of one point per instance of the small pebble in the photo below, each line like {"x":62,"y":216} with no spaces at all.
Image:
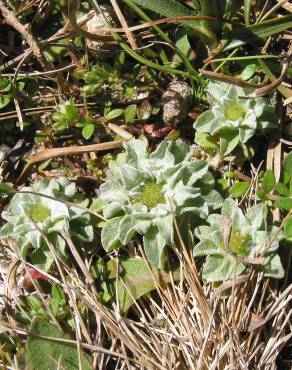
{"x":176,"y":102}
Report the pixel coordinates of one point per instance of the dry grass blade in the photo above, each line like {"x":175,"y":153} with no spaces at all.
{"x":59,"y":152}
{"x":228,"y":79}
{"x":269,"y":88}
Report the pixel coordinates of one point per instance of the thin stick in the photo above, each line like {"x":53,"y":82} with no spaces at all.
{"x":124,"y":24}
{"x":59,"y":152}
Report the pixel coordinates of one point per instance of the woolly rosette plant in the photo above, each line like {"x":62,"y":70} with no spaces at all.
{"x":234,"y":240}
{"x":31,"y":216}
{"x":235,"y":115}
{"x":143,"y":194}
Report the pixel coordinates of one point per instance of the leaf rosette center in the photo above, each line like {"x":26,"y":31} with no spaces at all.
{"x":234,"y":112}
{"x":151,"y":194}
{"x":238,"y":243}
{"x":39,"y":213}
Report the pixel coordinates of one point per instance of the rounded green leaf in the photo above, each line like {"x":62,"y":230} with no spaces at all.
{"x":284,"y":203}
{"x":269,"y":181}
{"x":44,"y":353}
{"x":288,"y":229}
{"x":115,"y":113}
{"x":130,"y":113}
{"x":154,"y":245}
{"x":287,"y":164}
{"x":238,"y":190}
{"x":88,"y":131}
{"x":205,"y":140}
{"x":248,"y":72}
{"x":229,"y":139}
{"x":282,"y":189}
{"x":221,"y":267}
{"x":4,"y":100}
{"x":205,"y":121}
{"x":273,"y":268}
{"x":109,"y":234}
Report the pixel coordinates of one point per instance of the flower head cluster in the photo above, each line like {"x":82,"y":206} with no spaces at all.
{"x":40,"y":210}
{"x":142,"y":194}
{"x":233,"y":240}
{"x":234,"y":115}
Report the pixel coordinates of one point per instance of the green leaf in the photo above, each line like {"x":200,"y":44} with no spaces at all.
{"x":262,"y":195}
{"x":250,"y":34}
{"x":273,"y":268}
{"x":206,"y":122}
{"x":135,"y":279}
{"x":136,"y":151}
{"x":88,"y":131}
{"x":42,"y":258}
{"x":282,"y":189}
{"x":288,"y":229}
{"x":287,"y":163}
{"x":44,"y":354}
{"x":4,"y":100}
{"x":154,"y":244}
{"x":229,"y":139}
{"x":269,"y":181}
{"x":206,"y":140}
{"x":130,"y":224}
{"x":130,"y":113}
{"x":238,"y":190}
{"x":6,"y":189}
{"x":109,"y":234}
{"x":98,"y":204}
{"x":284,"y":203}
{"x":207,"y":247}
{"x":58,"y":294}
{"x":115,"y":113}
{"x":220,"y":268}
{"x":182,"y":43}
{"x":286,"y":177}
{"x":6,"y":231}
{"x":167,"y":8}
{"x":248,"y":72}
{"x":172,"y":8}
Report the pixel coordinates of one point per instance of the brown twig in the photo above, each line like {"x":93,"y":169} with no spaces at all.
{"x":123,"y":22}
{"x":228,"y":79}
{"x":12,"y":21}
{"x":59,"y":152}
{"x":269,"y":88}
{"x":35,"y":49}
